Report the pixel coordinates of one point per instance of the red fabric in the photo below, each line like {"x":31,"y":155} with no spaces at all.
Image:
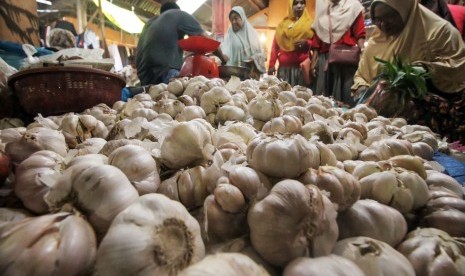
{"x":288,"y":59}
{"x":458,"y":13}
{"x":350,"y":38}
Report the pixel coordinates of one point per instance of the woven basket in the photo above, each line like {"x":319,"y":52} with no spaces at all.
{"x":57,"y":90}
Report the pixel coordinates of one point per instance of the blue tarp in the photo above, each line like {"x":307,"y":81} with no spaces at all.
{"x":454,"y":167}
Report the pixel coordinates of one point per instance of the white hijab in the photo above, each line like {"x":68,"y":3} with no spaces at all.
{"x":343,"y":16}
{"x":244,"y":44}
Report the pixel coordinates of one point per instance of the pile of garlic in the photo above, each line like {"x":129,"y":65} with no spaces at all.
{"x":204,"y":177}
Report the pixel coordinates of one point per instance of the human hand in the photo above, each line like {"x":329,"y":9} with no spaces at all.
{"x":271,"y":71}
{"x":313,"y":69}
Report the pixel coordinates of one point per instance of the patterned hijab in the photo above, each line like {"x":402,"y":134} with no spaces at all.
{"x":291,"y":30}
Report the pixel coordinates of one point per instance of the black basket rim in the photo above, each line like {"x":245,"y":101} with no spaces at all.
{"x":66,"y":69}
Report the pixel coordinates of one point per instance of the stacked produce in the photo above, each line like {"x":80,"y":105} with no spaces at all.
{"x":203,"y":177}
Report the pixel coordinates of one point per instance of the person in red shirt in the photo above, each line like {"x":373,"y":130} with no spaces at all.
{"x":458,"y":14}
{"x":291,"y":43}
{"x":347,"y":27}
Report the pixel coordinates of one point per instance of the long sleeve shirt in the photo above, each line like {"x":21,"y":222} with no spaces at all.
{"x":287,"y":59}
{"x":350,"y":38}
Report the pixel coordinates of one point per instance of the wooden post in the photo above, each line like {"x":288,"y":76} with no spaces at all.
{"x":106,"y":54}
{"x":80,"y":10}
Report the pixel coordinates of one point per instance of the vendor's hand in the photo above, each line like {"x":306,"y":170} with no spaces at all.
{"x":271,"y":71}
{"x":301,"y":45}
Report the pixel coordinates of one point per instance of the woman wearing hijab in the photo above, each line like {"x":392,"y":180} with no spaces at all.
{"x":407,"y":29}
{"x":241,"y":44}
{"x":291,"y":43}
{"x":338,"y":22}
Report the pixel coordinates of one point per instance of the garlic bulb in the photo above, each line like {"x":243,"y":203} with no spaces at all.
{"x":36,"y":139}
{"x":112,"y":145}
{"x":147,"y":113}
{"x":103,"y":113}
{"x":343,"y":188}
{"x":327,"y":157}
{"x":423,"y":150}
{"x":229,"y":113}
{"x":153,"y":236}
{"x":195,"y":89}
{"x":263,"y":109}
{"x":78,"y":128}
{"x":343,"y":151}
{"x":302,"y":92}
{"x":229,"y":197}
{"x":408,"y":162}
{"x":212,"y":100}
{"x":10,"y":123}
{"x":187,"y":187}
{"x":188,"y":144}
{"x":300,"y":112}
{"x":187,"y":100}
{"x":307,"y":223}
{"x":367,"y":110}
{"x":284,"y":124}
{"x":190,"y":113}
{"x":155,"y":90}
{"x":433,"y":252}
{"x":139,"y":166}
{"x":225,"y":264}
{"x":58,"y":244}
{"x":374,"y":257}
{"x":175,"y":86}
{"x":169,"y":106}
{"x":100,"y":192}
{"x":403,"y":191}
{"x":447,"y":219}
{"x":267,"y":152}
{"x":437,"y":179}
{"x":331,"y":265}
{"x":318,"y":109}
{"x":385,"y":149}
{"x":90,"y":146}
{"x":368,"y":218}
{"x":287,"y":97}
{"x":421,"y":136}
{"x":320,"y":129}
{"x":29,"y":186}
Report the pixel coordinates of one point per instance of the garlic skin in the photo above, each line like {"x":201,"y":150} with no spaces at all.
{"x":33,"y":140}
{"x":267,"y":152}
{"x":300,"y":112}
{"x":153,"y":236}
{"x":307,"y":223}
{"x":175,"y":87}
{"x":433,"y":252}
{"x":28,"y":185}
{"x":449,"y":220}
{"x":374,"y":257}
{"x":112,"y":145}
{"x":100,"y":192}
{"x":147,"y":113}
{"x":423,"y":150}
{"x":139,"y":166}
{"x":225,"y":264}
{"x":385,"y":149}
{"x":169,"y":106}
{"x":187,"y":145}
{"x":332,"y":265}
{"x":155,"y":90}
{"x":368,"y":218}
{"x":58,"y":244}
{"x":103,"y":113}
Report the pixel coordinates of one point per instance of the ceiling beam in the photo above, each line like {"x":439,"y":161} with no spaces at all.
{"x":252,"y":2}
